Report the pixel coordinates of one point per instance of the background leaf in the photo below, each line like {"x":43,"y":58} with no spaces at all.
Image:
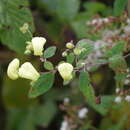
{"x":64,"y":9}
{"x":45,"y":113}
{"x":11,"y":21}
{"x":116,"y":49}
{"x":119,"y":6}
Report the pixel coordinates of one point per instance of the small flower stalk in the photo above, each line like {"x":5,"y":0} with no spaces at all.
{"x":27,"y":71}
{"x":65,"y":70}
{"x":12,"y":70}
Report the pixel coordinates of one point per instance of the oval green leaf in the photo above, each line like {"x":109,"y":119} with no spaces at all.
{"x":49,"y":52}
{"x":48,"y":65}
{"x":42,"y":85}
{"x":86,"y":88}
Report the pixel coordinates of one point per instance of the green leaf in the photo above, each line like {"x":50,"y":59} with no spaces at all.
{"x":12,"y":17}
{"x":20,"y":119}
{"x":48,"y":65}
{"x":42,"y":85}
{"x":95,"y":7}
{"x":117,"y":62}
{"x":85,"y":87}
{"x":104,"y":107}
{"x":79,"y":24}
{"x":49,"y":52}
{"x":70,"y":58}
{"x":120,"y":124}
{"x":86,"y":46}
{"x":119,"y":65}
{"x":117,"y":49}
{"x":119,"y":6}
{"x":121,"y":77}
{"x":101,"y":61}
{"x":64,"y":9}
{"x":45,"y":113}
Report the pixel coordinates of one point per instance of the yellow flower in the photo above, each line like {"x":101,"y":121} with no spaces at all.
{"x":69,"y":45}
{"x":27,"y":71}
{"x":65,"y":70}
{"x":38,"y":44}
{"x":12,"y":70}
{"x":77,"y":51}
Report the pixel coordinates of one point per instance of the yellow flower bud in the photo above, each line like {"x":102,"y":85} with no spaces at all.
{"x":27,"y":52}
{"x":27,"y":71}
{"x":69,"y":45}
{"x":77,"y":51}
{"x":38,"y":44}
{"x":24,"y":28}
{"x":12,"y":70}
{"x":64,"y":54}
{"x":65,"y":70}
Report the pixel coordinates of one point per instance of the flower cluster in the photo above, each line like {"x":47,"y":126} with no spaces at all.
{"x":26,"y":70}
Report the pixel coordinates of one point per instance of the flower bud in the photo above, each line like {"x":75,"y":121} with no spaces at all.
{"x":24,"y":28}
{"x":69,"y":45}
{"x":38,"y":44}
{"x":12,"y":70}
{"x":27,"y":52}
{"x":27,"y":71}
{"x":77,"y":51}
{"x":64,"y":54}
{"x":65,"y":70}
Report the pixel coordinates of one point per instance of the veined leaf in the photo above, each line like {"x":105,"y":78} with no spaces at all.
{"x":85,"y":87}
{"x":48,"y":65}
{"x":49,"y":52}
{"x":42,"y":85}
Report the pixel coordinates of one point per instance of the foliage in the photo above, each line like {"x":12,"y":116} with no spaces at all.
{"x":93,"y":69}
